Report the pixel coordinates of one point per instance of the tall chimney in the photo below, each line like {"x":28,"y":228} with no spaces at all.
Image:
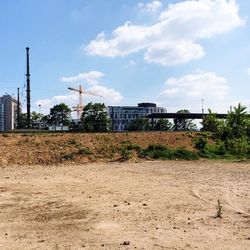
{"x":18,"y":107}
{"x":28,"y":88}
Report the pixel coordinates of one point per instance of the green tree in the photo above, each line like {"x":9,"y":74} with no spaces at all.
{"x":60,"y":115}
{"x":163,"y":125}
{"x":210,"y":122}
{"x":95,"y":118}
{"x":44,"y":122}
{"x":184,"y":124}
{"x":140,"y":124}
{"x":237,"y":122}
{"x":23,"y":121}
{"x":35,"y":120}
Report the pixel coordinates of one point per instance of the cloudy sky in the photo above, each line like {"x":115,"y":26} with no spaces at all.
{"x":171,"y":52}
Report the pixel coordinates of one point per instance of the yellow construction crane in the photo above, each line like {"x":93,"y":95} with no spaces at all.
{"x":79,"y":107}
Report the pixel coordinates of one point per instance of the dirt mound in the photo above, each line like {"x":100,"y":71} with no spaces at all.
{"x":58,"y":148}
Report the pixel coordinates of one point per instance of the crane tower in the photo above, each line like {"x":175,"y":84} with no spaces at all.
{"x":79,"y":107}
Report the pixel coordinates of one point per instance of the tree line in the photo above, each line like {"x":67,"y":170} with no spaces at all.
{"x":95,"y":119}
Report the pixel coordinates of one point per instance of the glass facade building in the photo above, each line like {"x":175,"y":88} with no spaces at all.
{"x":122,"y":116}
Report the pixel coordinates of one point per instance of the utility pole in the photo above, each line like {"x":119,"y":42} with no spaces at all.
{"x":202,"y":104}
{"x":28,"y":87}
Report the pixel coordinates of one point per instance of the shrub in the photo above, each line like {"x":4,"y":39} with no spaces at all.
{"x":125,"y":154}
{"x":200,"y":142}
{"x":69,"y":156}
{"x":212,"y":151}
{"x":184,"y":154}
{"x":157,"y":147}
{"x":158,"y":151}
{"x":239,"y":147}
{"x":218,"y":210}
{"x":132,"y":146}
{"x":84,"y":151}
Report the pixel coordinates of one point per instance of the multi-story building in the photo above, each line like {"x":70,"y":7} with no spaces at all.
{"x":121,"y":116}
{"x":8,"y":113}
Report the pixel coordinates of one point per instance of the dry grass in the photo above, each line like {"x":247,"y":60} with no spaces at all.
{"x":58,"y":148}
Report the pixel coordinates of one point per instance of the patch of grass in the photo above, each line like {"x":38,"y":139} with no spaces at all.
{"x":158,"y":151}
{"x":5,"y":135}
{"x":69,"y":156}
{"x":184,"y":154}
{"x":125,"y":154}
{"x":84,"y":151}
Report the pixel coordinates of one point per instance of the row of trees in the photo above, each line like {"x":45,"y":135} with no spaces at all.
{"x":95,"y":119}
{"x":59,"y":115}
{"x":143,"y":124}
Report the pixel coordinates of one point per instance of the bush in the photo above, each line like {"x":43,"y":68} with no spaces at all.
{"x":184,"y":154}
{"x":84,"y":151}
{"x":133,"y":147}
{"x":158,"y":151}
{"x":125,"y":154}
{"x":200,"y":142}
{"x":239,"y":147}
{"x":69,"y":156}
{"x":213,"y":151}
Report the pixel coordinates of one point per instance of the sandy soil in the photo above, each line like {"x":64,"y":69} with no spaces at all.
{"x":153,"y":205}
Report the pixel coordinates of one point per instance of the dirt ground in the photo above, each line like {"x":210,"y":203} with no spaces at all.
{"x":150,"y":205}
{"x":68,"y":148}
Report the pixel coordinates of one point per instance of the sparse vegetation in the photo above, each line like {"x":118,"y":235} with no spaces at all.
{"x":218,"y":210}
{"x":84,"y":151}
{"x":5,"y":135}
{"x":158,"y":151}
{"x":125,"y":154}
{"x":231,"y":136}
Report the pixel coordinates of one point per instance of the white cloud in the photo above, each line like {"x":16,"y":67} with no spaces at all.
{"x":108,"y":96}
{"x":90,"y":77}
{"x":248,"y":71}
{"x":150,"y":7}
{"x":187,"y":92}
{"x":174,"y":38}
{"x":70,"y":99}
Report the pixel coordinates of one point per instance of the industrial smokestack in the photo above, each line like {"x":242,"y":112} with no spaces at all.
{"x":18,"y":108}
{"x":28,"y":87}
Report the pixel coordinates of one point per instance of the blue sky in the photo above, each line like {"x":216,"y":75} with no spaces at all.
{"x":173,"y":53}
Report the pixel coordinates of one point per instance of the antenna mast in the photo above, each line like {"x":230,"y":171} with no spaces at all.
{"x":28,"y":87}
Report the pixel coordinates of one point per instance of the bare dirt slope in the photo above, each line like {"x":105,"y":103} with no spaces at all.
{"x":68,"y":148}
{"x":153,"y":205}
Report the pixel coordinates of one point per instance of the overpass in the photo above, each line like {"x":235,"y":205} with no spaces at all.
{"x":183,"y":115}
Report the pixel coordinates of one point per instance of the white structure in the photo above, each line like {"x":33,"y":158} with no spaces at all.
{"x":58,"y":128}
{"x":121,"y":116}
{"x":8,"y":113}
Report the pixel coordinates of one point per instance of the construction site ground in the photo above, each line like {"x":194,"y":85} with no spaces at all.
{"x":148,"y":205}
{"x":54,"y":197}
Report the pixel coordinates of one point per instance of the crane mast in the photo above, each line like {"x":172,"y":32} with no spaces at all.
{"x":79,"y":107}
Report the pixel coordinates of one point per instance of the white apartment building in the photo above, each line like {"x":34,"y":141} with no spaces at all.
{"x":8,"y":113}
{"x":121,"y":116}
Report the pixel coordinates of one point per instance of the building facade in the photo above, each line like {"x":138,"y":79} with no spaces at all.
{"x":122,"y":116}
{"x":8,"y":113}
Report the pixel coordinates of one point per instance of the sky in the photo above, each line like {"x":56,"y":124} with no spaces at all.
{"x":171,"y":52}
